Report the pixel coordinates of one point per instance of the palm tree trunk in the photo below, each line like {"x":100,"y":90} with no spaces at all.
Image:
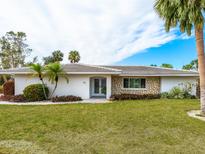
{"x":44,"y":90}
{"x":199,"y":34}
{"x":56,"y":84}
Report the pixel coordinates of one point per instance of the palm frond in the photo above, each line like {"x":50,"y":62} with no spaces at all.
{"x":184,"y":13}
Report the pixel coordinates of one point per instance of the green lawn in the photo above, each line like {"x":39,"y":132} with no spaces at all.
{"x":149,"y":126}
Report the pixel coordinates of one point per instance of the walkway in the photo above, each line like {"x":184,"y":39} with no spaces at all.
{"x":87,"y":101}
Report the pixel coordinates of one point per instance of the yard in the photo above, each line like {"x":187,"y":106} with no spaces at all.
{"x":149,"y":126}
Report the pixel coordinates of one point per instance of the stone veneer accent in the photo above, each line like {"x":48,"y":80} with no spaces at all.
{"x":152,"y":86}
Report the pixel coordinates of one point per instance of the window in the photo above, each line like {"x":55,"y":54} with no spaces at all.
{"x":134,"y":83}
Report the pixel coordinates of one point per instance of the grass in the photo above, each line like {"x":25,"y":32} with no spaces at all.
{"x":149,"y":126}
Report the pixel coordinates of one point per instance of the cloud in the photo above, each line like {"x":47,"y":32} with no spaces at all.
{"x":104,"y":32}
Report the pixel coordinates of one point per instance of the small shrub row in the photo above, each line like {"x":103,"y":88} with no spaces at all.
{"x":134,"y":96}
{"x":10,"y":98}
{"x":69,"y":98}
{"x":34,"y":92}
{"x":8,"y":87}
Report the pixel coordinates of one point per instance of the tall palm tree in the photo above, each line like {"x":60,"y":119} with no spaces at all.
{"x":38,"y":69}
{"x":54,"y":71}
{"x":187,"y":14}
{"x":74,"y":56}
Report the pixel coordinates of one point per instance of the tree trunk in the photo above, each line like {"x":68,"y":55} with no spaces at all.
{"x":56,"y":84}
{"x":44,"y":90}
{"x":199,"y":34}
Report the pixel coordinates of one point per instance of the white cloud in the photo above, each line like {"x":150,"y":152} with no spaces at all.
{"x":103,"y":31}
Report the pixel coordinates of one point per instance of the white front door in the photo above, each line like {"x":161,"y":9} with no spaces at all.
{"x":98,"y":87}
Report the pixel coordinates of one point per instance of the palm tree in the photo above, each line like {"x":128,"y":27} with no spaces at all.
{"x":74,"y":56}
{"x":38,"y":69}
{"x":186,"y":14}
{"x":54,"y":71}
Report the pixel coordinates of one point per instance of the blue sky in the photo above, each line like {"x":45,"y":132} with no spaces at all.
{"x":177,"y":52}
{"x":104,"y":32}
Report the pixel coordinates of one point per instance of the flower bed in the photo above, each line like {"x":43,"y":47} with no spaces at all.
{"x":69,"y":98}
{"x":134,"y":96}
{"x":10,"y":98}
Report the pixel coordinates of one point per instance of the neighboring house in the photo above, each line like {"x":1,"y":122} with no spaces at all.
{"x":90,"y":81}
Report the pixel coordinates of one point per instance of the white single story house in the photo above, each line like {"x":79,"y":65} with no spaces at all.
{"x":91,"y":81}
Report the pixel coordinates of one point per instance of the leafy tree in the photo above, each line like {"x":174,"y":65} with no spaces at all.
{"x":54,"y":71}
{"x":187,"y":14}
{"x":167,"y":65}
{"x":39,"y":71}
{"x":74,"y":56}
{"x":47,"y":60}
{"x":154,"y":65}
{"x":57,"y":56}
{"x":191,"y":66}
{"x":13,"y":49}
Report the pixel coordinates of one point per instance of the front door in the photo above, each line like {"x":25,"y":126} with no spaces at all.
{"x":99,"y":87}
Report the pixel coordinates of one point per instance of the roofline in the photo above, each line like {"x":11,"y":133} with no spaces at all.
{"x":173,"y":69}
{"x":163,"y":75}
{"x":25,"y":73}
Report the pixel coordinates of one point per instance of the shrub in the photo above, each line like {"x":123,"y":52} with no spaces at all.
{"x":176,"y":92}
{"x":134,"y":96}
{"x":164,"y":95}
{"x":35,"y":92}
{"x":10,"y":98}
{"x":69,"y":98}
{"x":8,"y":87}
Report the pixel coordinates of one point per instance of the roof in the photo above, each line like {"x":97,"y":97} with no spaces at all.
{"x":152,"y":71}
{"x":105,"y":69}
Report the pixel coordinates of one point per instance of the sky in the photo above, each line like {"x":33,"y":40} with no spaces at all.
{"x":103,"y":31}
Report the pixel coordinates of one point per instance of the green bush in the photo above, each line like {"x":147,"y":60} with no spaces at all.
{"x":177,"y":93}
{"x":164,"y":95}
{"x":35,"y":92}
{"x":183,"y":91}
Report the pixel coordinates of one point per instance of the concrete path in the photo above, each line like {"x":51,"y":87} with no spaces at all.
{"x":196,"y":114}
{"x":88,"y":101}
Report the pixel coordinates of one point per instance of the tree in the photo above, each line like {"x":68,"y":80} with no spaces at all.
{"x":54,"y":71}
{"x":74,"y":56}
{"x":186,"y":14}
{"x":14,"y":50}
{"x":153,"y":65}
{"x":39,"y":71}
{"x":57,"y":56}
{"x":167,"y":65}
{"x":192,"y":66}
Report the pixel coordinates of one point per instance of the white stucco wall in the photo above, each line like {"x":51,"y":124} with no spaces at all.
{"x":79,"y":85}
{"x":167,"y":83}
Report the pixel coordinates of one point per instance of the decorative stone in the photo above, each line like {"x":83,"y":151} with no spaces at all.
{"x":152,"y":86}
